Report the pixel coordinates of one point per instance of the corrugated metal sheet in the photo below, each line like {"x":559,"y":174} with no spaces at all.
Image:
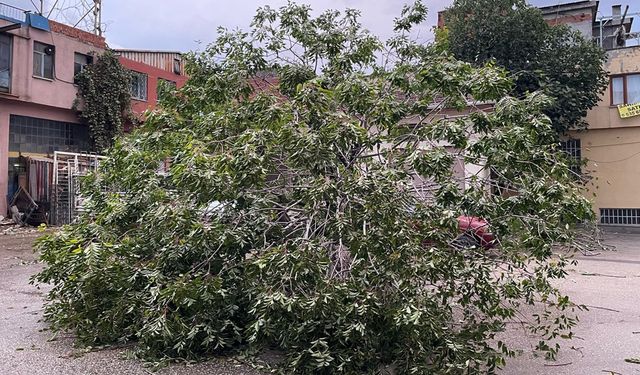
{"x":164,"y":60}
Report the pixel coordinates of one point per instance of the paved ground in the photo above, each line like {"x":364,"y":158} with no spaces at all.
{"x":605,"y":337}
{"x":25,"y":346}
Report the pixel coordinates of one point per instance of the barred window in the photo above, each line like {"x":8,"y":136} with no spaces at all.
{"x":138,"y":85}
{"x":620,"y":216}
{"x":573,"y":149}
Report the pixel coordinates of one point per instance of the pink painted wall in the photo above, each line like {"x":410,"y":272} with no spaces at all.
{"x":4,"y":158}
{"x":37,"y":97}
{"x":8,"y":107}
{"x":59,"y":92}
{"x":53,"y":99}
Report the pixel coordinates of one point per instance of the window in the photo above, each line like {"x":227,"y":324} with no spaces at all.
{"x":80,"y":61}
{"x":177,"y":68}
{"x":573,"y":149}
{"x":617,"y":90}
{"x":43,"y":136}
{"x":633,"y":88}
{"x":5,"y":62}
{"x":163,"y":85}
{"x":625,"y":89}
{"x":620,"y":216}
{"x":138,"y":86}
{"x":43,"y":60}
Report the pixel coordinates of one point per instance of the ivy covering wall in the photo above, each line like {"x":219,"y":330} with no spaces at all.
{"x":104,"y":99}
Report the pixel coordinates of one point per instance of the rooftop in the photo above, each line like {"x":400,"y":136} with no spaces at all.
{"x":11,"y":13}
{"x":19,"y":18}
{"x":576,"y":5}
{"x":124,"y":50}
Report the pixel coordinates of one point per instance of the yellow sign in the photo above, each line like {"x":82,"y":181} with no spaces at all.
{"x":629,"y":110}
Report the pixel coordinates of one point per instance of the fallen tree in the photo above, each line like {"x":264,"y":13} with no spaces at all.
{"x":287,"y":216}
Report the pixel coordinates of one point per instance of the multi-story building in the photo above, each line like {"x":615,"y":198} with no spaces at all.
{"x":148,"y":69}
{"x":39,"y":59}
{"x":611,"y":144}
{"x":38,"y":62}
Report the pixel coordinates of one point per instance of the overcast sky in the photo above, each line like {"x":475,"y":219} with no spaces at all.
{"x":184,"y":25}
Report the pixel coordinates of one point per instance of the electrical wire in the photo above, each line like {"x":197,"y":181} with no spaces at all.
{"x":614,"y":161}
{"x":55,"y":71}
{"x":614,"y":144}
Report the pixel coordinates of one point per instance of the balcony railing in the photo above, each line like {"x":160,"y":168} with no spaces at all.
{"x":11,"y":13}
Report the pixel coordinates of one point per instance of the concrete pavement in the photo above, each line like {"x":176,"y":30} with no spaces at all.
{"x":609,"y":332}
{"x":26,"y":347}
{"x":610,"y":283}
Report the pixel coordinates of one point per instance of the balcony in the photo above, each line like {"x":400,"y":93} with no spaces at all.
{"x":13,"y":14}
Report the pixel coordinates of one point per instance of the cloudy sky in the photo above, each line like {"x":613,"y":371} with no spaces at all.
{"x":184,"y":25}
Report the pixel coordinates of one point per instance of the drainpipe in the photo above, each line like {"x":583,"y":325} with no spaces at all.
{"x":600,"y":40}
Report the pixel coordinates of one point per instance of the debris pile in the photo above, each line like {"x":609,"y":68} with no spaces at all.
{"x":10,"y":227}
{"x":24,"y":209}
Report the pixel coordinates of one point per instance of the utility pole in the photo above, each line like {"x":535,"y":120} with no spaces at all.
{"x":97,"y":17}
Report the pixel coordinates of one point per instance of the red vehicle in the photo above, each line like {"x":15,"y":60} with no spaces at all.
{"x":474,"y":231}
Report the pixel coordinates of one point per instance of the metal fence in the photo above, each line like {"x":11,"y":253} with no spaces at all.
{"x":68,"y":169}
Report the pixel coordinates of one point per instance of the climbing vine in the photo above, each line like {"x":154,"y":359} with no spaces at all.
{"x":104,"y":99}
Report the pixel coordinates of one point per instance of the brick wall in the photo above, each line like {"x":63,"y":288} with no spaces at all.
{"x":568,"y":19}
{"x":81,"y":35}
